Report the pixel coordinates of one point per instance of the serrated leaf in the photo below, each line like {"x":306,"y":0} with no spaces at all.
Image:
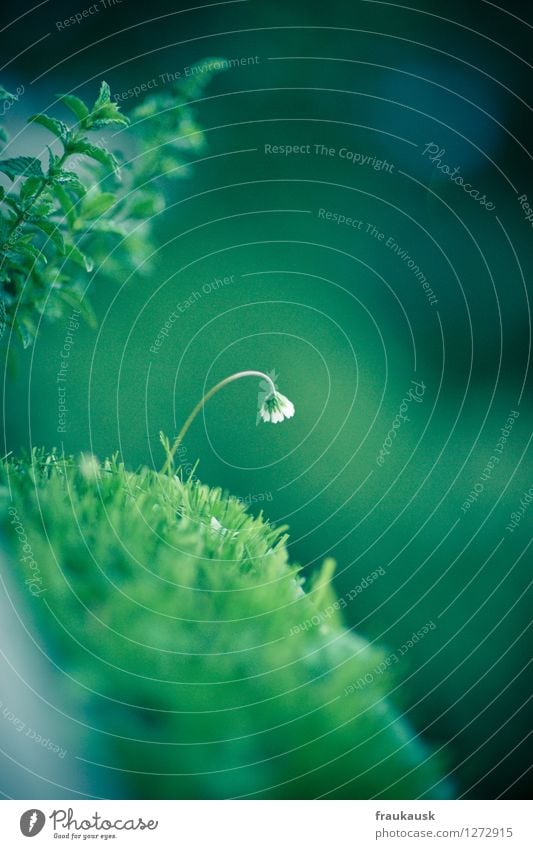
{"x":12,"y":203}
{"x":66,"y":177}
{"x":104,"y":157}
{"x":105,"y":111}
{"x":71,"y":180}
{"x":99,"y":123}
{"x":76,"y":105}
{"x":42,"y":207}
{"x":74,"y":253}
{"x":104,"y":96}
{"x":30,"y":187}
{"x":28,"y":250}
{"x":58,"y":128}
{"x":107,"y":115}
{"x":29,"y":166}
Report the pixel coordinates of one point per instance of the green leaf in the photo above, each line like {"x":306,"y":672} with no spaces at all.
{"x":31,"y":185}
{"x":145,"y":204}
{"x":6,"y":95}
{"x":28,"y":250}
{"x":105,"y":111}
{"x":54,"y":233}
{"x":52,"y":160}
{"x":104,"y":157}
{"x":71,"y":181}
{"x":58,"y":128}
{"x":67,"y":205}
{"x":96,"y":204}
{"x":106,"y":120}
{"x":108,"y":114}
{"x":74,"y":253}
{"x":41,"y":208}
{"x":29,"y":166}
{"x":12,"y":203}
{"x":104,"y":97}
{"x":76,"y":106}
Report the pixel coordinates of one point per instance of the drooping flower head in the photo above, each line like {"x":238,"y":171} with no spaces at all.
{"x":273,"y":407}
{"x":276,"y":407}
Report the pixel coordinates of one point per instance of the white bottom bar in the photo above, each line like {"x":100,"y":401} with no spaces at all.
{"x":262,"y":825}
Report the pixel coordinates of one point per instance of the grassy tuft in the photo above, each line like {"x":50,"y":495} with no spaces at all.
{"x":178,"y":621}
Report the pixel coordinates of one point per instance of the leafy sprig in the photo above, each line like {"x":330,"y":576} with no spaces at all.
{"x":86,"y":208}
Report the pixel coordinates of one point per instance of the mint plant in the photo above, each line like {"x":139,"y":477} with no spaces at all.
{"x":86,"y":207}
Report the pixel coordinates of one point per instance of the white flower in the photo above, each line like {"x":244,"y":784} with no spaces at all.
{"x":276,"y":407}
{"x":273,"y":407}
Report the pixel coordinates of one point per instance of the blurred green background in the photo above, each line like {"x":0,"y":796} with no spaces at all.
{"x":340,"y":318}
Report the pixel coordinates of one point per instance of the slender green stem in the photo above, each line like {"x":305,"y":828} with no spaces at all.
{"x":179,"y":439}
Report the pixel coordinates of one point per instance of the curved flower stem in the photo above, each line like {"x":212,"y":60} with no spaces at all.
{"x":179,"y":439}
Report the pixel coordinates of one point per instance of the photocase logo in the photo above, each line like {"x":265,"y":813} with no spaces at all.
{"x":32,"y":822}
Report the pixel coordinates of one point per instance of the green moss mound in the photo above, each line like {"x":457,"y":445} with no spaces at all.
{"x":179,"y":626}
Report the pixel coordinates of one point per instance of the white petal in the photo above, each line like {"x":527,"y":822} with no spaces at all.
{"x":286,"y":406}
{"x":288,"y":409}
